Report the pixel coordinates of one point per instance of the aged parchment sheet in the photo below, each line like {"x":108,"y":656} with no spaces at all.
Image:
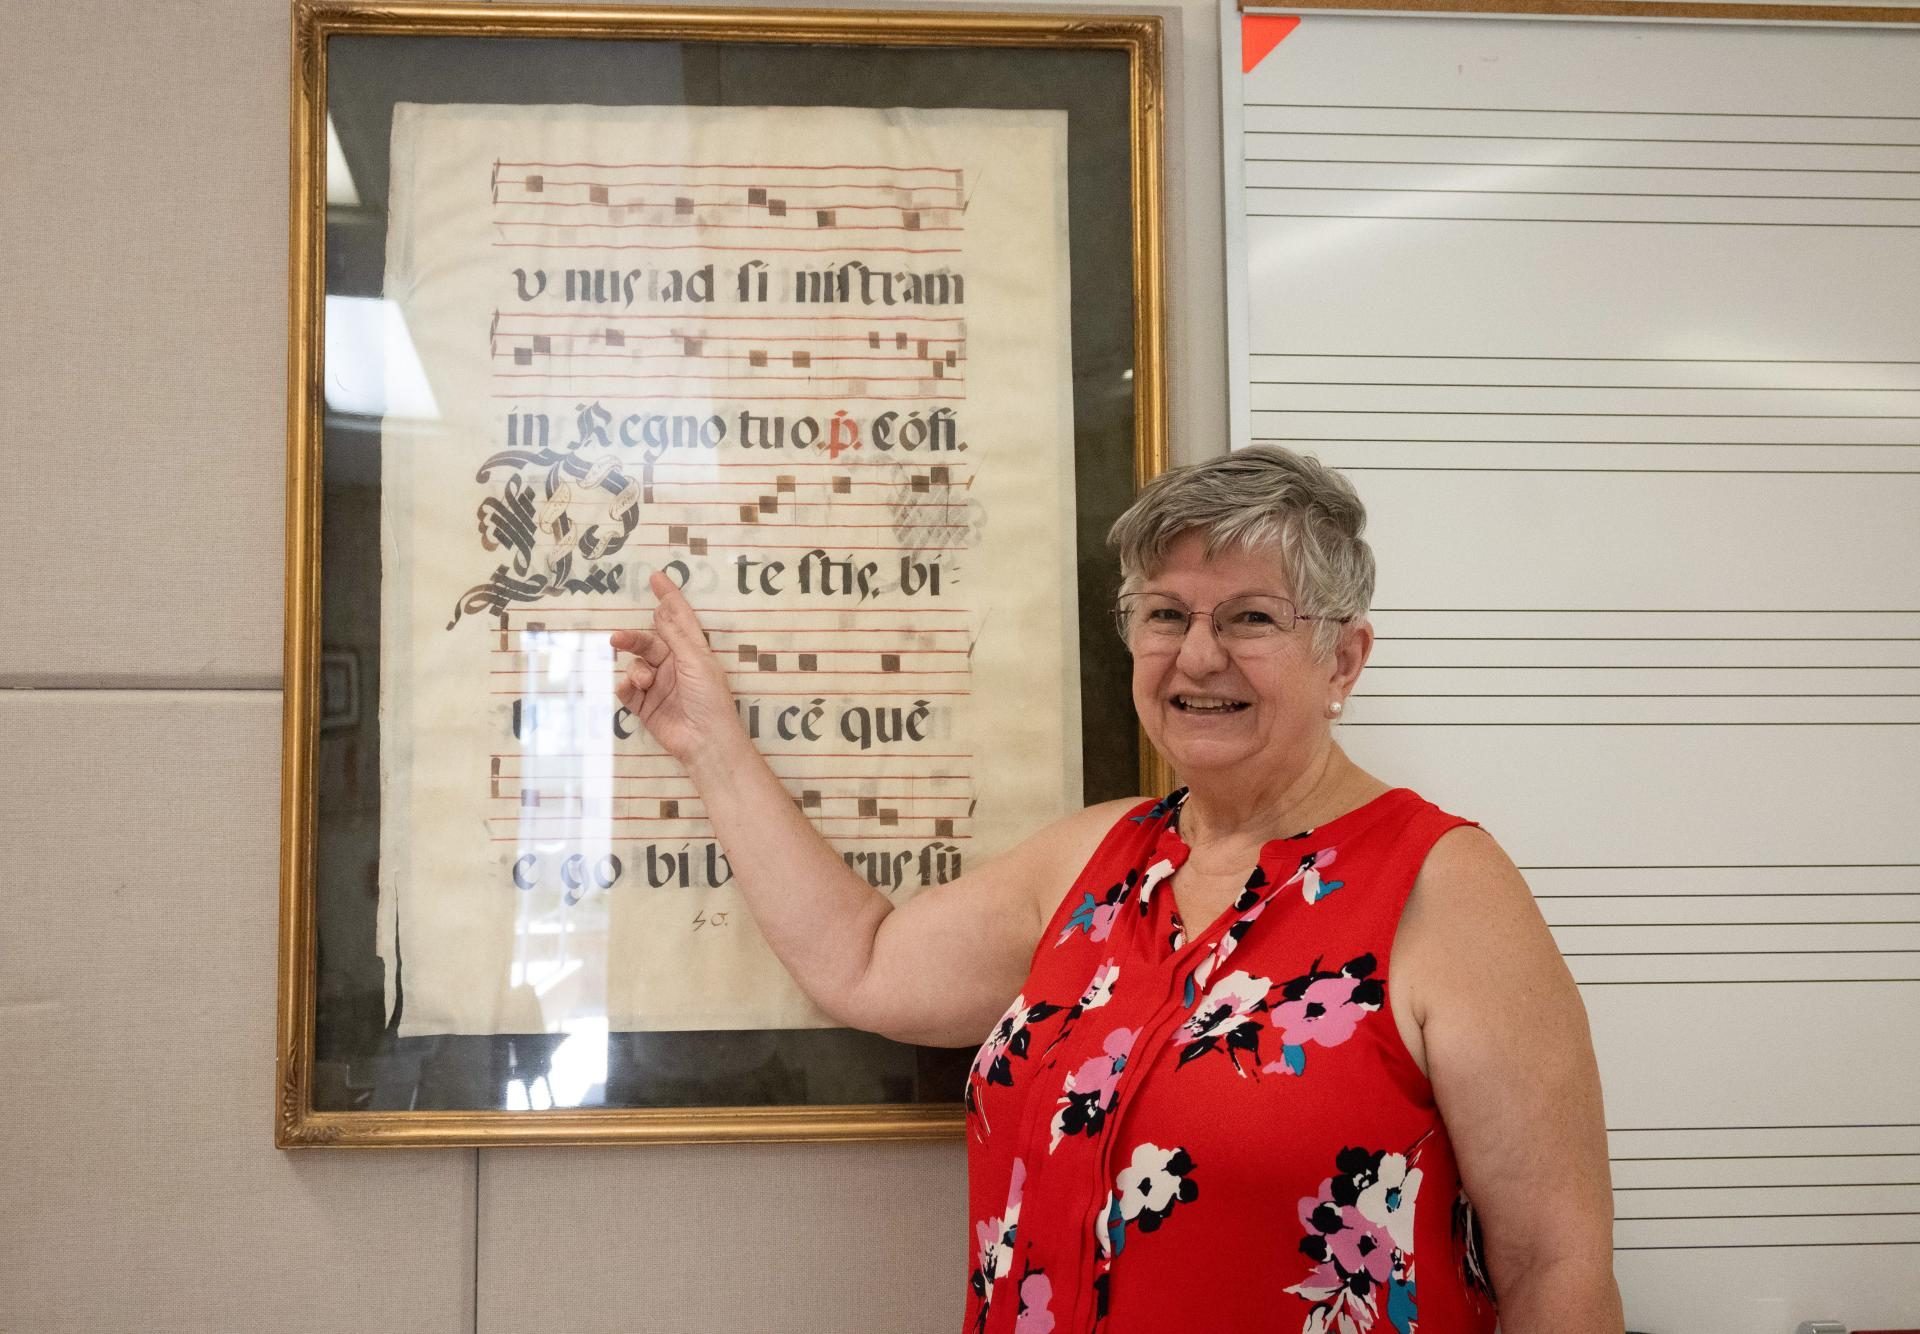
{"x":813,"y":363}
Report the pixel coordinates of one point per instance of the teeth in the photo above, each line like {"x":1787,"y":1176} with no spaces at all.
{"x":1206,"y":704}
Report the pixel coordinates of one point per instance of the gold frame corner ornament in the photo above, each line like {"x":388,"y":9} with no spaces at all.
{"x":297,"y":1124}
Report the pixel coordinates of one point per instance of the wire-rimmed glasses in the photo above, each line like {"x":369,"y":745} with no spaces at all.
{"x":1248,"y":622}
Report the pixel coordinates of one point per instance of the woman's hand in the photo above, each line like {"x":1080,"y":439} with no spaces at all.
{"x":673,"y":683}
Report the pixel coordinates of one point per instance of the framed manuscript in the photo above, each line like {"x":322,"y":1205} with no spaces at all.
{"x":850,"y":325}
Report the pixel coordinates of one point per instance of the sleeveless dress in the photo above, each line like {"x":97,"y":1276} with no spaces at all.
{"x":1218,"y":1131}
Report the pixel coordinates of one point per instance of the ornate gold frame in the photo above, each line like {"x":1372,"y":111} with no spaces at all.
{"x":296,"y":1123}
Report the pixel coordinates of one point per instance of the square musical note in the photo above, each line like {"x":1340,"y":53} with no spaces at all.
{"x":697,"y":545}
{"x":823,"y":217}
{"x":536,"y":184}
{"x":889,"y":662}
{"x":953,"y":357}
{"x":809,"y":662}
{"x":756,"y":196}
{"x":809,"y":799}
{"x":889,"y":816}
{"x":855,"y":388}
{"x":940,"y":474}
{"x":748,"y":653}
{"x":900,"y":341}
{"x":596,"y":194}
{"x":843,"y":486}
{"x":529,"y":797}
{"x":784,"y":484}
{"x":918,"y":484}
{"x":614,"y":338}
{"x":776,"y":208}
{"x":869,"y":806}
{"x":769,"y":662}
{"x":873,"y":338}
{"x":683,"y":207}
{"x":756,"y":358}
{"x":912,"y":222}
{"x":523,"y":356}
{"x":749,"y":514}
{"x":920,"y":348}
{"x":943,"y":829}
{"x":542,"y":344}
{"x":670,"y":810}
{"x":689,"y":347}
{"x":769,"y":504}
{"x":939,"y":370}
{"x":676,"y":534}
{"x":803,"y":359}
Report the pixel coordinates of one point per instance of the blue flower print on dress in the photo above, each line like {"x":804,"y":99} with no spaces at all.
{"x":1094,"y":916}
{"x":1162,"y":808}
{"x":1313,"y":887}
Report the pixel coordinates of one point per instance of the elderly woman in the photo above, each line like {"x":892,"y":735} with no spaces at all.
{"x":1288,"y":1048}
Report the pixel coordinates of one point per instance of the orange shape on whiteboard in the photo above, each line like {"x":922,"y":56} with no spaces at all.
{"x":1260,"y":33}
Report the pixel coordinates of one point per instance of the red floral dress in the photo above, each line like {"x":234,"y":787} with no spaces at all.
{"x":1220,"y":1131}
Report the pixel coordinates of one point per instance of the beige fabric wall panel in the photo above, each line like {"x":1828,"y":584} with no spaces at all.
{"x":143,"y":337}
{"x":141,"y":1188}
{"x":757,"y":1239}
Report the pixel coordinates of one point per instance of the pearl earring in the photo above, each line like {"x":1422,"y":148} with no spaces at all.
{"x":1333,"y":709}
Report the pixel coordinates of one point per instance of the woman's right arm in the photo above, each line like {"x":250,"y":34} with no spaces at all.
{"x":939,"y":969}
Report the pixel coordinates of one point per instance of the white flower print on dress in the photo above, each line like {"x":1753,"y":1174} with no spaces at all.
{"x":994,"y":1237}
{"x":1227,"y":1018}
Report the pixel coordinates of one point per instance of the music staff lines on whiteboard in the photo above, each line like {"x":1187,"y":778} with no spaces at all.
{"x":1543,"y":166}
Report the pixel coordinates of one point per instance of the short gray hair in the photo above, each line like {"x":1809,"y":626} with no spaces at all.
{"x":1268,"y":497}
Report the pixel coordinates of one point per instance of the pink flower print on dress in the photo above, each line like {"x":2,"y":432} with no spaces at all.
{"x":1088,"y":1092}
{"x":1359,"y":1232}
{"x":1036,"y":1301}
{"x":1324,"y":1009}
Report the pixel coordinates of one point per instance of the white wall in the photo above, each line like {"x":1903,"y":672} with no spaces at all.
{"x":143,"y":218}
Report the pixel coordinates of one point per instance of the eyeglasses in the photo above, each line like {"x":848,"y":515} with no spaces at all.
{"x":1158,"y":623}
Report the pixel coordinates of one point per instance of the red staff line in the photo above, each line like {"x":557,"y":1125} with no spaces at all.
{"x":765,"y":755}
{"x":591,"y":334}
{"x":778,"y":398}
{"x":764,"y":250}
{"x":776,"y":671}
{"x":719,"y":379}
{"x":792,"y":778}
{"x":782,"y":611}
{"x":764,"y":630}
{"x":764,"y":319}
{"x":857,"y":690}
{"x":824,"y":796}
{"x":823,"y":652}
{"x":779,"y":546}
{"x":783,"y":463}
{"x":837,"y":838}
{"x":712,"y":226}
{"x":731,"y":166}
{"x":576,"y":820}
{"x":729,"y":357}
{"x":745,"y":185}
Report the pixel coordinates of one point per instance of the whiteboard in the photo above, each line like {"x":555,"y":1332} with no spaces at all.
{"x":1616,"y":327}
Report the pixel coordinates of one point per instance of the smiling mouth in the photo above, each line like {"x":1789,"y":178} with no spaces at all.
{"x":1208,"y":704}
